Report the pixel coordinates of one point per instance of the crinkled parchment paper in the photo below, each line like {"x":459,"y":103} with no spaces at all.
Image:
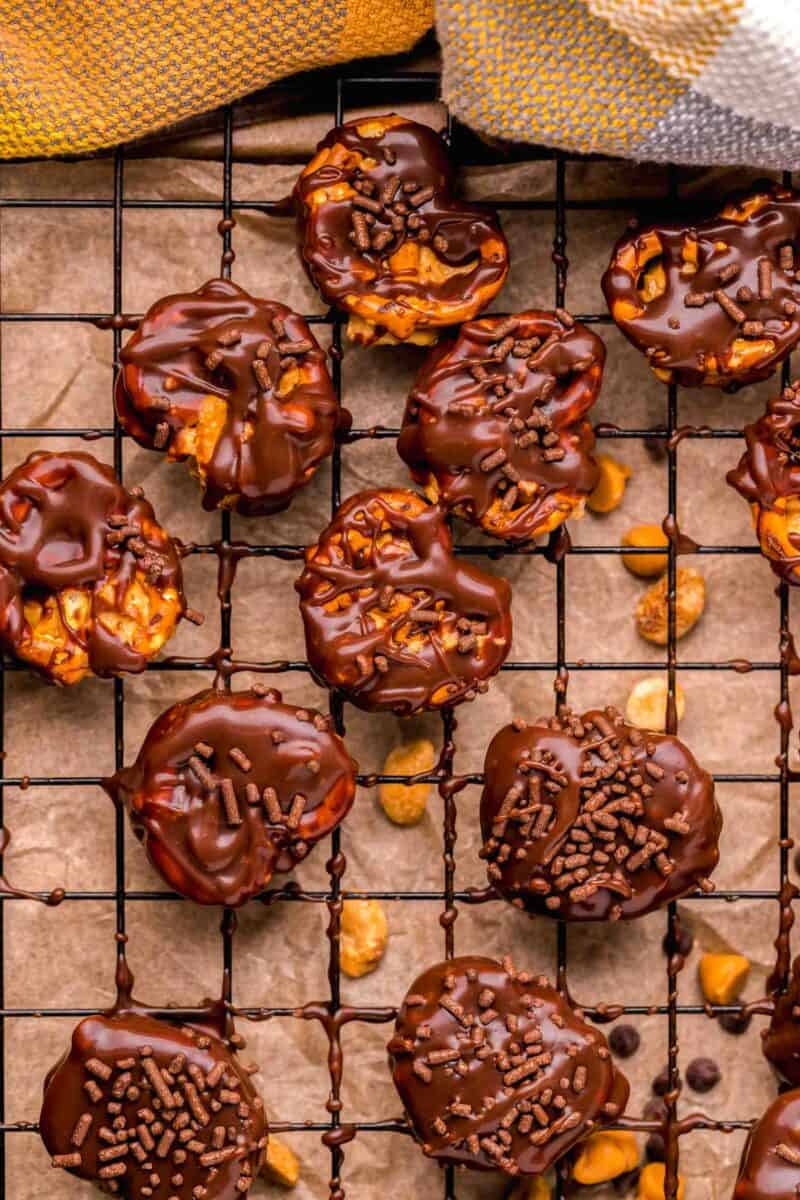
{"x":59,"y":375}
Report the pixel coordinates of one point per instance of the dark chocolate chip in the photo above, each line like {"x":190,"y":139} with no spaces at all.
{"x":702,"y":1074}
{"x":734,"y":1022}
{"x":661,"y":1082}
{"x":655,"y":1110}
{"x":624,"y":1040}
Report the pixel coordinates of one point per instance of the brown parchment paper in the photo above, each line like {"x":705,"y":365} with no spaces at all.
{"x":59,"y":376}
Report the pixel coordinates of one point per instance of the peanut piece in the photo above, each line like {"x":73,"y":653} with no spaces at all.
{"x":281,"y":1164}
{"x":605,"y":1155}
{"x":651,"y":609}
{"x":364,"y":933}
{"x":405,"y":803}
{"x":651,"y":1183}
{"x":646,"y":707}
{"x":722,"y":976}
{"x":646,"y":566}
{"x":610,"y":486}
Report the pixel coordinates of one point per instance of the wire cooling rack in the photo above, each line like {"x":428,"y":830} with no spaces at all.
{"x":349,"y":89}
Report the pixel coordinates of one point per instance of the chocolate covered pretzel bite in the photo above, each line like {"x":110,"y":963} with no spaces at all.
{"x":495,"y":426}
{"x":392,"y":618}
{"x":717,"y":303}
{"x":768,"y":476}
{"x":230,"y":787}
{"x":150,"y":1110}
{"x":383,"y":237}
{"x":770,"y":1164}
{"x":496,"y":1070}
{"x":237,"y":385}
{"x":587,"y":818}
{"x":89,"y":581}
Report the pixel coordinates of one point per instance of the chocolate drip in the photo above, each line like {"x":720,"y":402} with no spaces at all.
{"x":230,"y":787}
{"x":66,"y":522}
{"x":495,"y":425}
{"x":496,"y":1070}
{"x":587,"y":818}
{"x":714,"y":303}
{"x":782,"y":1038}
{"x":51,"y":899}
{"x":377,"y":197}
{"x":391,"y":617}
{"x":238,"y":384}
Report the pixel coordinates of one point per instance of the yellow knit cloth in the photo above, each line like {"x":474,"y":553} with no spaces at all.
{"x":80,"y":75}
{"x":696,"y":81}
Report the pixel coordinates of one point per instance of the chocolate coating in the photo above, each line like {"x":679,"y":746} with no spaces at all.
{"x":770,"y":1164}
{"x":236,"y":384}
{"x":391,"y":617}
{"x":229,"y":787}
{"x":495,"y":426}
{"x":496,"y":1071}
{"x":88,"y":580}
{"x":135,"y":1098}
{"x":715,"y":302}
{"x":593,"y":834}
{"x":768,"y":476}
{"x":781,"y":1044}
{"x":382,"y":236}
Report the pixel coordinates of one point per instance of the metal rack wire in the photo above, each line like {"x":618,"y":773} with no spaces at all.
{"x":405,"y":86}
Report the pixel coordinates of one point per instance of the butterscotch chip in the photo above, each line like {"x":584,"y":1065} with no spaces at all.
{"x":645,"y":565}
{"x":383,"y":236}
{"x":281,"y":1164}
{"x":605,"y":1155}
{"x":609,"y":490}
{"x":722,"y":976}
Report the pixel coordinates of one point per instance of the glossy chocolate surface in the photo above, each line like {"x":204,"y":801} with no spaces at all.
{"x":230,"y":787}
{"x":770,"y":1165}
{"x":382,"y":235}
{"x":768,"y":476}
{"x":151,"y":1110}
{"x":66,"y":522}
{"x":392,"y":618}
{"x":495,"y":427}
{"x":781,"y":1044}
{"x":496,"y":1071}
{"x":587,"y":818}
{"x":729,"y":310}
{"x":240,"y":385}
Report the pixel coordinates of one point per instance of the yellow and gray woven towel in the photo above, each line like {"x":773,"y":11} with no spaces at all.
{"x":691,"y":81}
{"x":697,"y":81}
